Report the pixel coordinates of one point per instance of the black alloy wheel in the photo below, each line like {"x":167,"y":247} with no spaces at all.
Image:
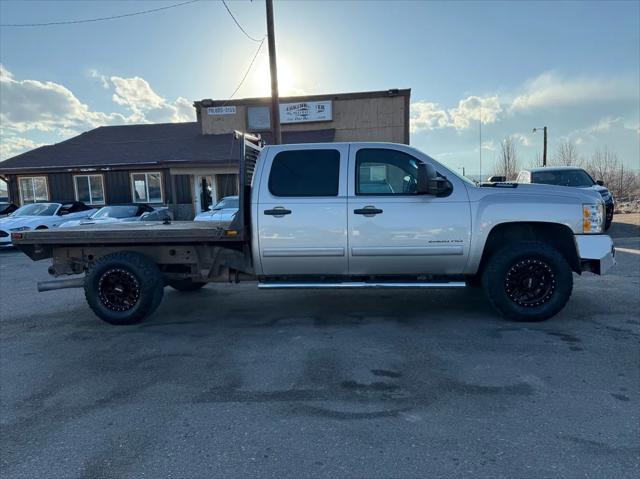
{"x":530,"y":282}
{"x":118,"y":289}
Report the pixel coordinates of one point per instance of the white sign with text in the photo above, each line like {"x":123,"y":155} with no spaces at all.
{"x":221,"y":110}
{"x":305,"y":111}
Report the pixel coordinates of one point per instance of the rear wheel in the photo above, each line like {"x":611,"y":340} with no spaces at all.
{"x":124,"y":287}
{"x":185,"y":285}
{"x":528,"y":281}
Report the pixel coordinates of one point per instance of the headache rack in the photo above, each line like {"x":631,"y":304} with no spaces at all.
{"x":251,"y":146}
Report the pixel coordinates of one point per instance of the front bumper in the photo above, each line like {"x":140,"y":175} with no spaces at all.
{"x":5,"y":238}
{"x":596,"y":252}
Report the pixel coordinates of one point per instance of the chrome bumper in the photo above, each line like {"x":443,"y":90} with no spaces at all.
{"x":596,"y":252}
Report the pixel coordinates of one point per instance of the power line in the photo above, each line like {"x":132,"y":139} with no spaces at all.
{"x":247,"y":72}
{"x":73,"y":22}
{"x":240,"y":26}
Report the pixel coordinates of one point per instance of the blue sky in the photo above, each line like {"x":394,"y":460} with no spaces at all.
{"x":573,"y":66}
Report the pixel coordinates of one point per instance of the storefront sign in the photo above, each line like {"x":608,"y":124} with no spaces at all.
{"x":305,"y":111}
{"x":221,"y":110}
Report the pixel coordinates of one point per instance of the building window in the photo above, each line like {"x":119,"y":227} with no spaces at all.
{"x":89,"y":189}
{"x":33,"y":188}
{"x":305,"y":173}
{"x":147,"y":187}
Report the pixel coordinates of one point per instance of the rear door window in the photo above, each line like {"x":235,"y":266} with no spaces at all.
{"x":300,"y":173}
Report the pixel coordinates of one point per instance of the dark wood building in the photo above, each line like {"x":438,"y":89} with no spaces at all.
{"x":170,"y":164}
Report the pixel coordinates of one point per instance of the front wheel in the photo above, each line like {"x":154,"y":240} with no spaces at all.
{"x":528,"y":281}
{"x":124,"y":287}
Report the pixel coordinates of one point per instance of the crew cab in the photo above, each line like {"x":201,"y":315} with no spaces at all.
{"x":345,"y":215}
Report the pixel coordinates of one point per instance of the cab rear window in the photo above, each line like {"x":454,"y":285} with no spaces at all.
{"x":305,"y":173}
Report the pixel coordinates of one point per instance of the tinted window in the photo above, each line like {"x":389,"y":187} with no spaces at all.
{"x":385,"y":172}
{"x":562,"y":178}
{"x":305,"y":173}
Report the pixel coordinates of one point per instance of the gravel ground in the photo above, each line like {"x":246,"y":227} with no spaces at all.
{"x":235,"y":382}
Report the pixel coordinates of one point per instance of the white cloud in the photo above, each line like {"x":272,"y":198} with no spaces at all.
{"x":525,"y":140}
{"x":472,"y":109}
{"x":604,"y":125}
{"x":32,"y":105}
{"x":46,"y":106}
{"x":489,"y":145}
{"x":13,"y":145}
{"x":427,"y":116}
{"x":103,"y":79}
{"x":552,"y":90}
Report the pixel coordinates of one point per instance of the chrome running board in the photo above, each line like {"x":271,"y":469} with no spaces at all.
{"x":358,"y":284}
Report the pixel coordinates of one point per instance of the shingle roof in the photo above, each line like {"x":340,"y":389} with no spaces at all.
{"x":112,"y":146}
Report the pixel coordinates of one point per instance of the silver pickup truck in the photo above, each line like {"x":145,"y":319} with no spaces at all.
{"x":345,"y":215}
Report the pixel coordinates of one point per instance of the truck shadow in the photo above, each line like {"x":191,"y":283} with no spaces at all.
{"x":248,"y":308}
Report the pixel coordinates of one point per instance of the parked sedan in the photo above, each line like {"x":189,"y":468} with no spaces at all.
{"x":122,"y":213}
{"x":222,"y":213}
{"x":570,"y":176}
{"x":38,"y":216}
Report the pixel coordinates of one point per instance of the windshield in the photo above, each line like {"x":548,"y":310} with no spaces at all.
{"x":125,"y":211}
{"x":225,"y":203}
{"x":37,"y":209}
{"x":562,"y":178}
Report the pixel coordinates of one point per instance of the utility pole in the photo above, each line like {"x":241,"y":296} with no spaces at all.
{"x":544,"y":149}
{"x":480,"y":128}
{"x":275,"y":104}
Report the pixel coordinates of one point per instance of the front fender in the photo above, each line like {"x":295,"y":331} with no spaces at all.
{"x":500,"y":209}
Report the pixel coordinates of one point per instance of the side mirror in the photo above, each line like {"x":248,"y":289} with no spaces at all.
{"x":600,"y":183}
{"x":429,"y":183}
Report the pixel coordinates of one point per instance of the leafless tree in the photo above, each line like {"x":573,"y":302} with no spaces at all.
{"x":567,"y":155}
{"x":535,"y":162}
{"x":621,"y":180}
{"x":507,"y":163}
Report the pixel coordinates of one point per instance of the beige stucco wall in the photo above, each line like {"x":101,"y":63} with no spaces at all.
{"x":355,"y":119}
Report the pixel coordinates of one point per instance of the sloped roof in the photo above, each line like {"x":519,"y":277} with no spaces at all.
{"x":137,"y":145}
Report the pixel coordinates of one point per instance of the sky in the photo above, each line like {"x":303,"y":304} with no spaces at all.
{"x":571,"y":66}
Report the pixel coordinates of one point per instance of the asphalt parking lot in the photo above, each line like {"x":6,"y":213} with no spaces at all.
{"x":235,"y":382}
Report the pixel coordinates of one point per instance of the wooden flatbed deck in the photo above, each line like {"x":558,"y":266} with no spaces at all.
{"x":139,"y":233}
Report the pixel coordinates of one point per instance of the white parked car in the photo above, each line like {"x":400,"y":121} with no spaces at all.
{"x":122,"y":213}
{"x":38,"y":216}
{"x":222,"y":213}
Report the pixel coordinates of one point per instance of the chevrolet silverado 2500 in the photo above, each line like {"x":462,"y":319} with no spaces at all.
{"x":345,"y":215}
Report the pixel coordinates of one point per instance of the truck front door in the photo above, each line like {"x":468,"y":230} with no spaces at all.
{"x":395,"y":231}
{"x":302,"y":211}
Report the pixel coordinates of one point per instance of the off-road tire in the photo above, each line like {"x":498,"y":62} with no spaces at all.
{"x":142,"y":287}
{"x":185,"y":285}
{"x":498,"y":281}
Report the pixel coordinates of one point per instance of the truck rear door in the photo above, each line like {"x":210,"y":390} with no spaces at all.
{"x":301,"y":211}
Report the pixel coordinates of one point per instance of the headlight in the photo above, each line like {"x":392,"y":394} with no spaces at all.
{"x":20,"y":228}
{"x":592,"y":218}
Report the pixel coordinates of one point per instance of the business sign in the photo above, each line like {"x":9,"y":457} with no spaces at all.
{"x":305,"y":111}
{"x":221,"y":110}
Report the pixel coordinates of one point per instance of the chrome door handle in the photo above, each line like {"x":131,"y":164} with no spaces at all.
{"x":368,"y":211}
{"x":278,"y":212}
